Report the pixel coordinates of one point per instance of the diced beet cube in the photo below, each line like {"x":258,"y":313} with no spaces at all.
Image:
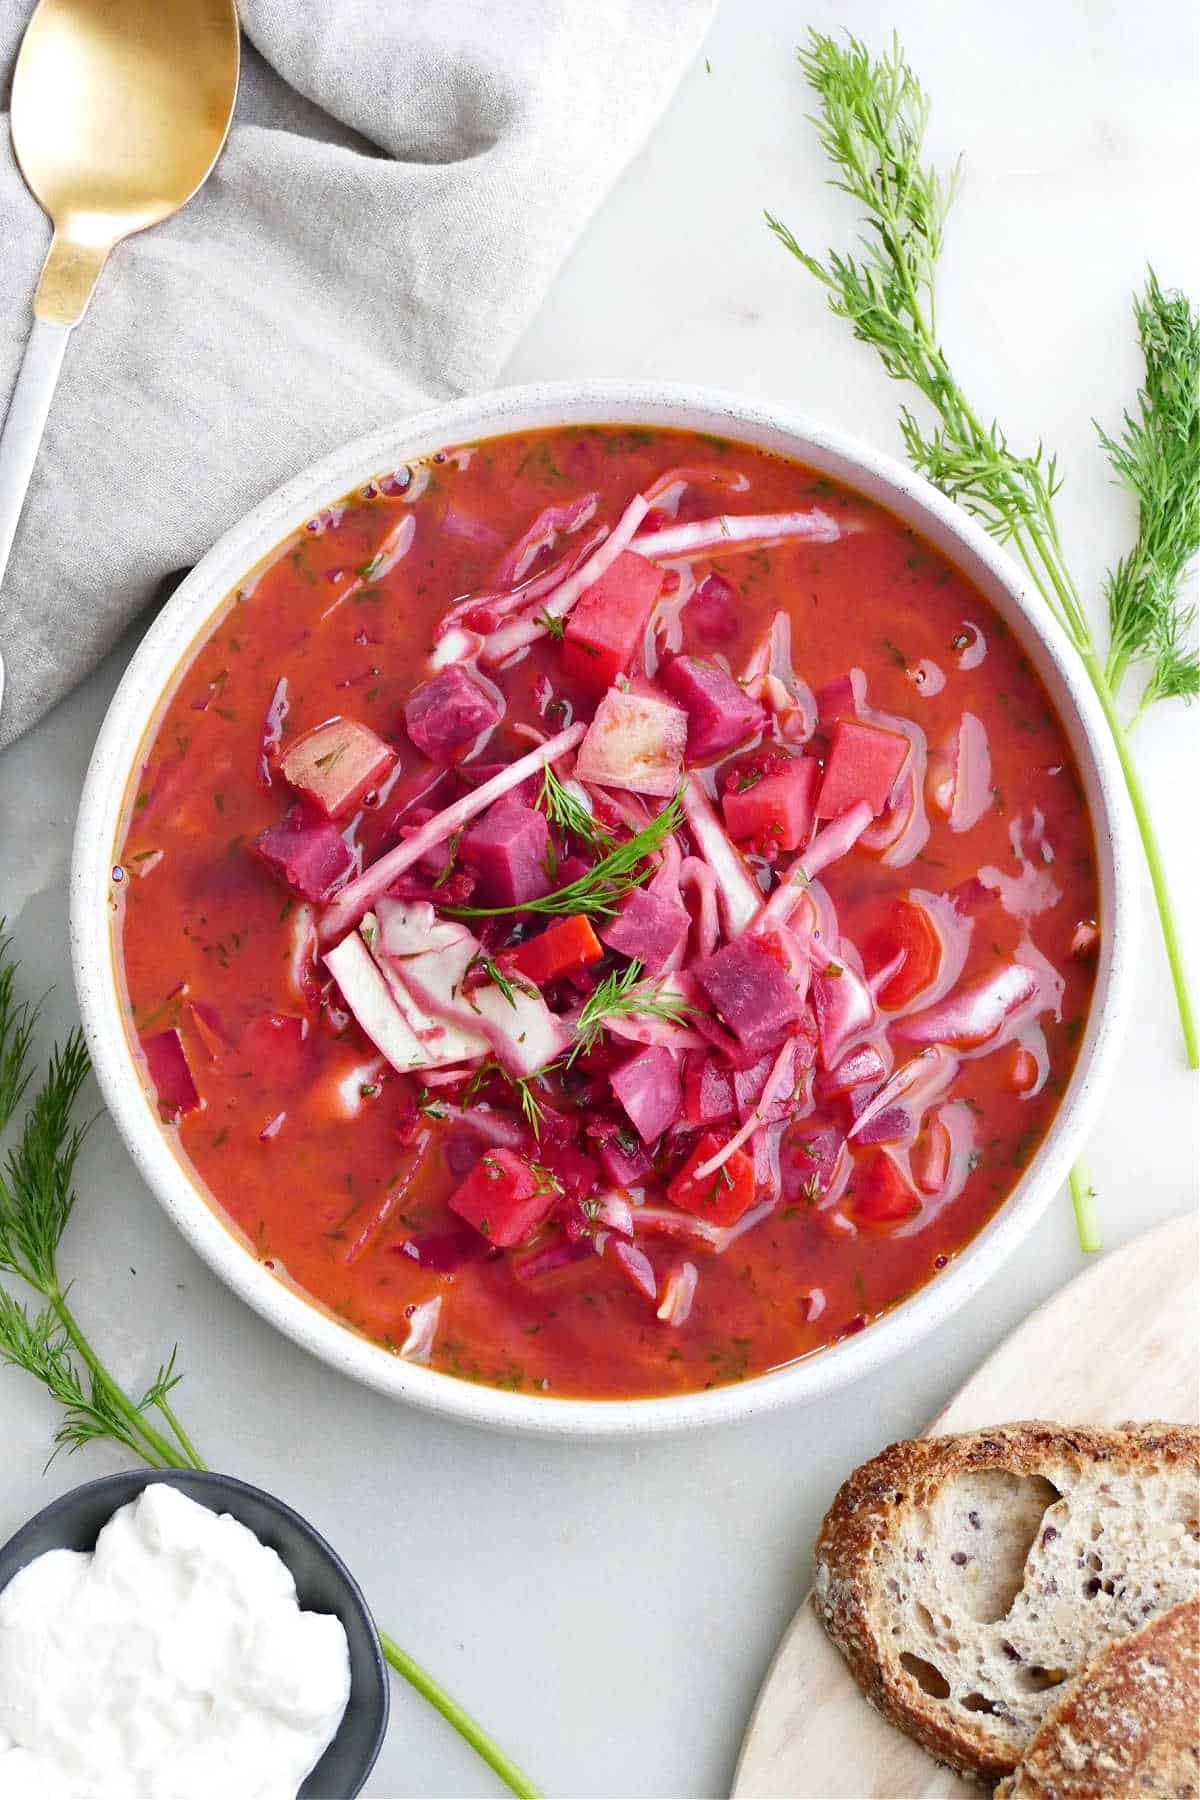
{"x":775,"y":807}
{"x":720,"y":714}
{"x":635,"y":741}
{"x":623,"y":1158}
{"x":721,"y":1197}
{"x":712,"y":611}
{"x":708,"y":1096}
{"x":335,"y":764}
{"x":167,"y":1062}
{"x":837,"y":700}
{"x":879,"y":1193}
{"x":565,"y":946}
{"x":307,"y":853}
{"x":503,"y":1198}
{"x":751,"y":993}
{"x":809,"y":1161}
{"x":576,"y":1174}
{"x":448,"y":713}
{"x":648,"y":1088}
{"x":862,"y":764}
{"x":648,"y":927}
{"x":605,"y":629}
{"x":506,"y":848}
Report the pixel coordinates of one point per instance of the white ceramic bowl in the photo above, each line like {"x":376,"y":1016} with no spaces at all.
{"x":185,"y":620}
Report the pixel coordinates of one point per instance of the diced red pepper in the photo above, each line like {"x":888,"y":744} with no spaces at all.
{"x":931,"y":1157}
{"x":881,"y":1196}
{"x":335,"y":764}
{"x":721,"y":1197}
{"x":775,"y":808}
{"x":567,"y":945}
{"x":503,"y":1198}
{"x":1022,"y":1070}
{"x":604,"y":631}
{"x":862,"y":764}
{"x":167,"y":1062}
{"x":909,"y":932}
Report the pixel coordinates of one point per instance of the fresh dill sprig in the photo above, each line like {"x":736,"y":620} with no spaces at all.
{"x":624,"y":995}
{"x":871,"y":119}
{"x":37,"y":1197}
{"x":1157,"y":457}
{"x":568,"y":813}
{"x":597,"y":894}
{"x":18,"y":1019}
{"x":555,"y":628}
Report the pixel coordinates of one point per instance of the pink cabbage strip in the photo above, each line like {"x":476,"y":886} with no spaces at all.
{"x":678,"y":1294}
{"x":551,"y":523}
{"x":777,"y":1084}
{"x":358,"y":896}
{"x":738,"y":891}
{"x":915,"y":1085}
{"x":833,"y":841}
{"x":526,"y":628}
{"x":730,"y":530}
{"x":486,"y":608}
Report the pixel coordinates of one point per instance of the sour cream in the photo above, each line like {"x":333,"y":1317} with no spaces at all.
{"x":171,"y":1663}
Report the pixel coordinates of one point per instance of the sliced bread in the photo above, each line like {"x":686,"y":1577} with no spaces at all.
{"x":966,"y":1578}
{"x":1130,"y":1724}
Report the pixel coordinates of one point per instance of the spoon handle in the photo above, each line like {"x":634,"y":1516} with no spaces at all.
{"x":25,"y":424}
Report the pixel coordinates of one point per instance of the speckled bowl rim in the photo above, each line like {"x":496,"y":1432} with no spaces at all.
{"x":173,"y":635}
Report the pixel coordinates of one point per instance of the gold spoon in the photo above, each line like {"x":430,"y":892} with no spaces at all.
{"x":119,"y":111}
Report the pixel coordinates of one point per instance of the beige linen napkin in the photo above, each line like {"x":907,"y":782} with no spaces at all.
{"x":402,"y":180}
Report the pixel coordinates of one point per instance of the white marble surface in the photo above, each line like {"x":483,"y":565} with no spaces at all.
{"x":610,"y":1612}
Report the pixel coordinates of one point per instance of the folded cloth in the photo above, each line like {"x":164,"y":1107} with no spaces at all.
{"x":399,"y":187}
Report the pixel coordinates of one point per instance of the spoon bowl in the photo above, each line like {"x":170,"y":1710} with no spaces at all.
{"x":119,"y":111}
{"x":118,"y":114}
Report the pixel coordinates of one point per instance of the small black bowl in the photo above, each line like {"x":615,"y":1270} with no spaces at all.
{"x":323,"y":1584}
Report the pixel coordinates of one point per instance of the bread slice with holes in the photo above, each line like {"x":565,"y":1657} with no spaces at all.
{"x":966,"y":1578}
{"x":1130,"y":1724}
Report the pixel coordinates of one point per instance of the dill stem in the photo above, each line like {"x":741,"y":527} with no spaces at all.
{"x":513,"y":1777}
{"x":165,"y":1451}
{"x":1083,"y":1199}
{"x":1154,"y":863}
{"x":189,"y":1449}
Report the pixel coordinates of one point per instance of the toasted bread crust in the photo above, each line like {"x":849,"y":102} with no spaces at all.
{"x":905,"y":1478}
{"x":1130,"y":1724}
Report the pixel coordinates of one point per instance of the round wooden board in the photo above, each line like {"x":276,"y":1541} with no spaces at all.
{"x":812,"y":1735}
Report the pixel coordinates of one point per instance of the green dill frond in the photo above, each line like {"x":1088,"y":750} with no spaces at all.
{"x":598,"y":893}
{"x":1157,"y":458}
{"x":37,"y":1183}
{"x":568,"y":814}
{"x":624,"y":995}
{"x":18,"y":1019}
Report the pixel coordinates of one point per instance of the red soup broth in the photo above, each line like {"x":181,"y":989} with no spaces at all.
{"x":336,"y":1170}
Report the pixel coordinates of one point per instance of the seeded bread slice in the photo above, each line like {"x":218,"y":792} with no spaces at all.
{"x":1130,"y":1724}
{"x":966,"y":1578}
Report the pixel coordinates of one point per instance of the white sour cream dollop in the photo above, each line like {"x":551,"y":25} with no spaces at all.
{"x":172,"y":1663}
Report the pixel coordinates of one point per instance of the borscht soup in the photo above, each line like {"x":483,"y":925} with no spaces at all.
{"x":605,"y":912}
